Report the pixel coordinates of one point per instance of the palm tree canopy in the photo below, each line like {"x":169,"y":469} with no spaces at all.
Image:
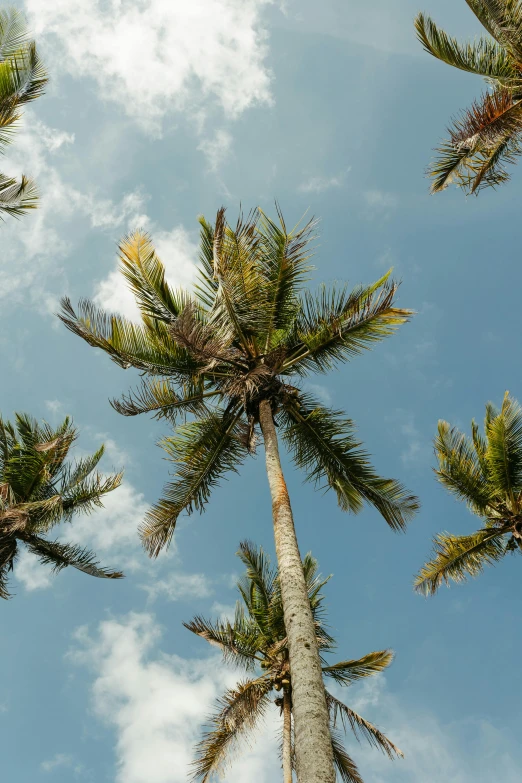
{"x":39,"y":489}
{"x":485,"y":471}
{"x":22,"y":79}
{"x":487,"y":136}
{"x":256,"y":642}
{"x":247,"y":333}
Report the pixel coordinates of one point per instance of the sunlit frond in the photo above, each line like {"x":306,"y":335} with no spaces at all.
{"x":346,"y":672}
{"x":504,"y":450}
{"x":62,"y":555}
{"x":458,"y":557}
{"x":460,"y":470}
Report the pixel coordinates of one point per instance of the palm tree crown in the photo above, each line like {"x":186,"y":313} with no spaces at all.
{"x":39,"y":489}
{"x":256,"y":642}
{"x":487,"y":136}
{"x":248,"y":333}
{"x":22,"y":79}
{"x":485,"y":472}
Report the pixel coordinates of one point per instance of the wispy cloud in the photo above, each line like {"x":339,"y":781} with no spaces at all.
{"x":320,"y":184}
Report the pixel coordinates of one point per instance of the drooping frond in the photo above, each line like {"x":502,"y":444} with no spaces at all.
{"x":62,"y":555}
{"x":361,"y":728}
{"x":483,"y":57}
{"x":504,"y":450}
{"x":240,"y":712}
{"x":345,"y":765}
{"x":460,"y":470}
{"x":8,"y":552}
{"x":323,"y":444}
{"x":336,"y":325}
{"x":458,"y":557}
{"x":203,"y":452}
{"x":346,"y":672}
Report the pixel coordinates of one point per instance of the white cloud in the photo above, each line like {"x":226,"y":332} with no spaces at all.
{"x":178,"y":254}
{"x":417,"y":450}
{"x":157,"y":56}
{"x":60,"y":760}
{"x":216,"y":149}
{"x":178,"y":585}
{"x":379,"y":199}
{"x":156,"y":703}
{"x":34,"y":247}
{"x":320,"y":184}
{"x":31,"y":573}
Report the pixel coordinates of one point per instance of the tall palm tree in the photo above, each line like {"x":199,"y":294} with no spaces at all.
{"x":256,"y":641}
{"x":39,"y":489}
{"x":22,"y":79}
{"x":229,"y":354}
{"x":485,"y":472}
{"x":487,"y":136}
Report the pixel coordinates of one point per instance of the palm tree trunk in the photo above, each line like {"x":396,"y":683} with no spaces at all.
{"x":287,"y":736}
{"x":313,"y":745}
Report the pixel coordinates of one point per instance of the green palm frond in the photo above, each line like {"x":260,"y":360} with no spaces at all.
{"x":504,"y":451}
{"x":203,"y":452}
{"x":257,"y":585}
{"x":62,"y":555}
{"x":483,"y":57}
{"x":361,"y":728}
{"x":345,"y":765}
{"x":337,"y":324}
{"x":323,"y":444}
{"x":346,"y":672}
{"x":241,"y":710}
{"x":40,"y":488}
{"x":160,"y":398}
{"x":505,"y":21}
{"x":237,"y":641}
{"x":145,"y":274}
{"x":16,"y":197}
{"x":460,"y":470}
{"x":458,"y":557}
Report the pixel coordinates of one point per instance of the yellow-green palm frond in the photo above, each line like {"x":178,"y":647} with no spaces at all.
{"x":455,"y":558}
{"x":238,"y":641}
{"x":17,"y":197}
{"x":460,"y":469}
{"x":335,"y":325}
{"x":8,"y":553}
{"x":160,"y":398}
{"x":240,"y":711}
{"x":322,"y":443}
{"x":483,"y":57}
{"x":361,"y":728}
{"x":203,"y":452}
{"x":504,"y":450}
{"x":346,"y":672}
{"x":503,"y":19}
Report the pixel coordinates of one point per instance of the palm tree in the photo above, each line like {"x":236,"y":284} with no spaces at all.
{"x":39,"y":489}
{"x":256,"y":640}
{"x":229,"y":355}
{"x":22,"y":79}
{"x":488,"y":135}
{"x":485,"y":472}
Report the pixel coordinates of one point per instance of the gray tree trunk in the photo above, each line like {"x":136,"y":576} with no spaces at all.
{"x":287,"y":736}
{"x":313,"y":744}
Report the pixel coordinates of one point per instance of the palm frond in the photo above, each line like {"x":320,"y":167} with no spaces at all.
{"x":337,"y":324}
{"x":257,"y":584}
{"x":361,"y":728}
{"x":504,"y":22}
{"x":203,"y":452}
{"x":159,"y":397}
{"x":240,"y":712}
{"x":8,"y":553}
{"x":17,"y":197}
{"x":61,"y":555}
{"x":346,"y":767}
{"x":483,"y":57}
{"x":346,"y":672}
{"x":504,"y":451}
{"x":322,"y":443}
{"x":458,"y":557}
{"x":460,"y":469}
{"x":237,"y":641}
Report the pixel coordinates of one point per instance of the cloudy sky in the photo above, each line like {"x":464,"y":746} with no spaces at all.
{"x":159,"y":110}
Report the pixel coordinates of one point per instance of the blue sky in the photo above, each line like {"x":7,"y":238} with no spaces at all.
{"x":159,"y":110}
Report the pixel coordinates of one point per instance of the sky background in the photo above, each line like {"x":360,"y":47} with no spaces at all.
{"x":157,"y":111}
